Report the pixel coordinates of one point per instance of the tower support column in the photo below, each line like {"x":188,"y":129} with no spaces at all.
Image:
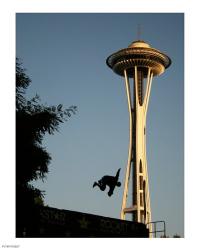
{"x":137,"y":162}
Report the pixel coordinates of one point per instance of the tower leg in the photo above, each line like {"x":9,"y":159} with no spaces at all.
{"x":128,"y":167}
{"x":137,"y":162}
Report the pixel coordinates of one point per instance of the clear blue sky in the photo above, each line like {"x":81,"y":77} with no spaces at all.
{"x":65,"y":57}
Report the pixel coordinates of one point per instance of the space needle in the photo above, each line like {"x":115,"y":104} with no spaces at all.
{"x":138,"y":64}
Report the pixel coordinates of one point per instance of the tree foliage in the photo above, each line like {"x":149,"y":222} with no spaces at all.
{"x":33,"y":121}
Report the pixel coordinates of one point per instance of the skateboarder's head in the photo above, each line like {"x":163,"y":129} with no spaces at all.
{"x":118,"y":184}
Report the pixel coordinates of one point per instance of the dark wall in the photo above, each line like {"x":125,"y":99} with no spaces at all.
{"x":52,"y":222}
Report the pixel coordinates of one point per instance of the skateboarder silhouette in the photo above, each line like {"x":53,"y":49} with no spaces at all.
{"x":110,"y":181}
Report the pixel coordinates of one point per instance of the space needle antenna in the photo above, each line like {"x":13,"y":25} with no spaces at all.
{"x":139,"y":31}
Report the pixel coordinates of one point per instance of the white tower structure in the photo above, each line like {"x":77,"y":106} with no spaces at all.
{"x":141,"y":63}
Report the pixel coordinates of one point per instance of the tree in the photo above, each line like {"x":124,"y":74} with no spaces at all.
{"x":176,"y":236}
{"x":33,"y":121}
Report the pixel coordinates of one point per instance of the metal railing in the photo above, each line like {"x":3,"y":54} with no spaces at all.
{"x":154,"y":228}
